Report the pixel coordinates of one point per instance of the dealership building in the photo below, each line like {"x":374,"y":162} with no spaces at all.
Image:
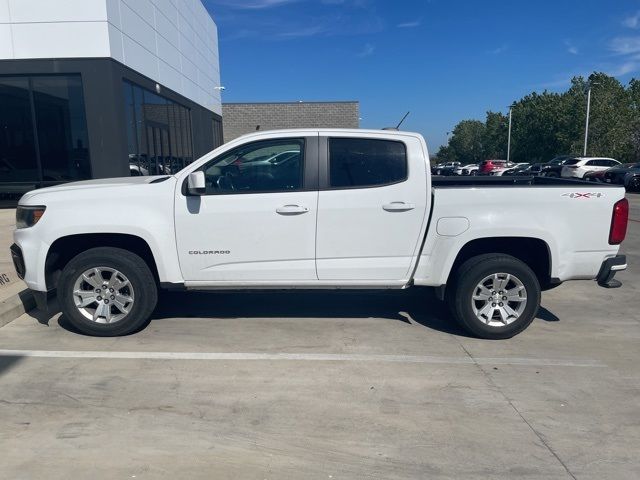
{"x":104,"y":88}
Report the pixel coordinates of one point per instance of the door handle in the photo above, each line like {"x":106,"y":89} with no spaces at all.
{"x":398,"y":207}
{"x":291,"y":210}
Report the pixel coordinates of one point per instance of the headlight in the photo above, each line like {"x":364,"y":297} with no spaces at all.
{"x":28,"y":216}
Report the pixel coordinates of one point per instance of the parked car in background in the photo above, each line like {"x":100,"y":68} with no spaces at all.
{"x":552,"y":168}
{"x":596,"y":176}
{"x":489,"y":166}
{"x":617,"y":174}
{"x":460,"y":169}
{"x":578,"y":167}
{"x":498,"y":172}
{"x":445,"y":168}
{"x":632,"y":182}
{"x":470,"y":170}
{"x":519,"y":169}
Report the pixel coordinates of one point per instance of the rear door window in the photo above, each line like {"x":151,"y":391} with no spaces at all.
{"x":360,"y":162}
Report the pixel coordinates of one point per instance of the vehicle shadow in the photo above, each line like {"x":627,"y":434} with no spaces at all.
{"x":416,"y":305}
{"x":7,"y":362}
{"x":413,"y":306}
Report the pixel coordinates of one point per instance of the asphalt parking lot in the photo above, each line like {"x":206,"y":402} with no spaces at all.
{"x":330,"y":385}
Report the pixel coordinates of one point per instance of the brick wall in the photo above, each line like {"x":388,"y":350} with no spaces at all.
{"x":241,"y":118}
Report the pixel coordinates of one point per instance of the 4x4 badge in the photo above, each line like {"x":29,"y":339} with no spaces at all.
{"x":583,"y":195}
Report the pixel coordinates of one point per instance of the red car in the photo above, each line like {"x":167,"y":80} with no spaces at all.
{"x":489,"y":166}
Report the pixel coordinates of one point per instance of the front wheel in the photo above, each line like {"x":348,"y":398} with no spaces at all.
{"x":107,"y":292}
{"x":494,"y":296}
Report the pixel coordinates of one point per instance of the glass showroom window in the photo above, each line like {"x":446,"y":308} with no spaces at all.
{"x":62,"y":128}
{"x":158,"y":132}
{"x":18,"y":162}
{"x":43,"y":133}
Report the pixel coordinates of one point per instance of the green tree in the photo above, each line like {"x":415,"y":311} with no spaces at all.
{"x":548,"y":124}
{"x":496,"y":133}
{"x":537,"y":119}
{"x":466,"y":142}
{"x":634,"y":124}
{"x":444,"y":155}
{"x":610,"y":119}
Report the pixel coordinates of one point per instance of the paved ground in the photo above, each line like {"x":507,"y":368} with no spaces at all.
{"x":373,"y":385}
{"x":8,"y":277}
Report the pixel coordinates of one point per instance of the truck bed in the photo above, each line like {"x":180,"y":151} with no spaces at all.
{"x":515,"y":181}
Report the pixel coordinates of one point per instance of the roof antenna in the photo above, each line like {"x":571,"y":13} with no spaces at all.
{"x":403,"y":119}
{"x":397,"y":127}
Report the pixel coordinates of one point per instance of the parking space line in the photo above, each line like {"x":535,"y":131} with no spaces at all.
{"x":314,"y":357}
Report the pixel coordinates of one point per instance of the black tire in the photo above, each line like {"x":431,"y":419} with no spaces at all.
{"x":634,"y":185}
{"x":471,"y":273}
{"x":551,"y":175}
{"x":130,"y":265}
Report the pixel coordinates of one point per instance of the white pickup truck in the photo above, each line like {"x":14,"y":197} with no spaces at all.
{"x":309,"y":208}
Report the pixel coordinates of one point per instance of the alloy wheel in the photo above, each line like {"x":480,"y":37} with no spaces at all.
{"x":103,"y":295}
{"x":499,"y":299}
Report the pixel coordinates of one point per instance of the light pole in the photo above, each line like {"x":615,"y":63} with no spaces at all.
{"x":586,"y":127}
{"x":509,"y":137}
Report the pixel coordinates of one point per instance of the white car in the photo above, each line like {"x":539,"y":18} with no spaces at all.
{"x":356,"y":209}
{"x":498,"y":171}
{"x":465,"y":170}
{"x":577,"y":167}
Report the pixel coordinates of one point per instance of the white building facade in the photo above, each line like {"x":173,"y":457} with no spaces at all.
{"x":127,"y":87}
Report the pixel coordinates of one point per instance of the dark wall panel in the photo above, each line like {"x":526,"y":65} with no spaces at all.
{"x":105,"y":108}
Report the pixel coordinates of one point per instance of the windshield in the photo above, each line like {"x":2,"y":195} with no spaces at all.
{"x":559,"y":161}
{"x":573,"y":161}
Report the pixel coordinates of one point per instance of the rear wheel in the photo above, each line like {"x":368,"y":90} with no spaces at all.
{"x":494,"y":296}
{"x":551,"y":175}
{"x":107,"y":292}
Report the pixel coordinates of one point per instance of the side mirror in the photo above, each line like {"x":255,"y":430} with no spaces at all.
{"x":196,"y":183}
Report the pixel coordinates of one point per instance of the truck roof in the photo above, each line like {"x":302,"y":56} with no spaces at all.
{"x":298,"y":131}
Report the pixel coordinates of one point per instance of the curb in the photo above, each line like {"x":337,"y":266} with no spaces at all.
{"x":14,"y":306}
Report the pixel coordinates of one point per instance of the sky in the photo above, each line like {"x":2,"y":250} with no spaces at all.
{"x":443,"y":60}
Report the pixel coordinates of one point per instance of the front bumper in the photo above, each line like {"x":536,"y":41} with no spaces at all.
{"x":18,"y":261}
{"x":608,"y":270}
{"x":41,"y":298}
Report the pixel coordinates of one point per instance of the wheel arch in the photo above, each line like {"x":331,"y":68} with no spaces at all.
{"x":534,"y":252}
{"x":65,"y":248}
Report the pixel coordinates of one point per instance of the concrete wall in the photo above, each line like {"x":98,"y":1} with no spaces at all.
{"x":173,"y":42}
{"x":241,"y":118}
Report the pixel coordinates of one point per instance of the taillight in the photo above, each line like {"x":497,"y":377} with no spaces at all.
{"x":619,"y":221}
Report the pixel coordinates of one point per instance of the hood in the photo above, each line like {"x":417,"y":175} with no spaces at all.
{"x":94,"y":184}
